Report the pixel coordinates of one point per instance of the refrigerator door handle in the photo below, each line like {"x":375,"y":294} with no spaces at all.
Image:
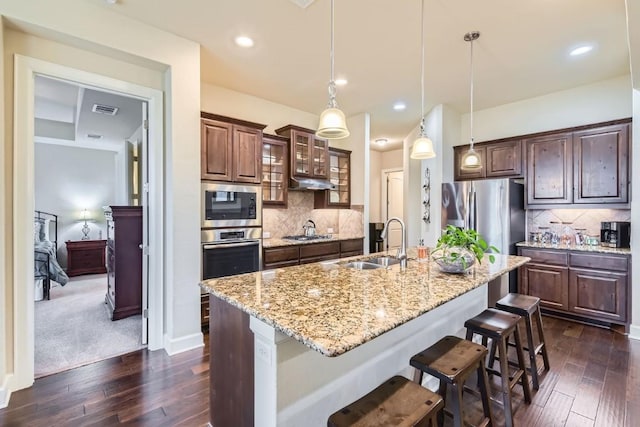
{"x":472,"y":210}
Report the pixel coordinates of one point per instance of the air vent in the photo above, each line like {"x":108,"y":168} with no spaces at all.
{"x":303,"y":3}
{"x":94,"y":136}
{"x":104,"y":109}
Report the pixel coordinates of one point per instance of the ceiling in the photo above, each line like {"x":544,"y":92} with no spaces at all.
{"x":522,"y":51}
{"x":63,"y":115}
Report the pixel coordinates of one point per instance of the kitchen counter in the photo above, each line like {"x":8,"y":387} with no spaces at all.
{"x":303,"y":341}
{"x":325,"y":305}
{"x":572,"y":247}
{"x":274,"y":242}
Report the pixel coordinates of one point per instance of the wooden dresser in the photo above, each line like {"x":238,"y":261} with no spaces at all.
{"x":124,"y":261}
{"x":85,"y":257}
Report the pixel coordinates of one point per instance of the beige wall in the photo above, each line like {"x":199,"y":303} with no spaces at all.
{"x":391,"y":159}
{"x":6,"y":317}
{"x":375,"y":207}
{"x":143,"y":55}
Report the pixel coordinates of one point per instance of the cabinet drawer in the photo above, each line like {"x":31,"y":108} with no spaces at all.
{"x":277,"y":255}
{"x":600,"y":262}
{"x":316,"y":250}
{"x":545,"y":257}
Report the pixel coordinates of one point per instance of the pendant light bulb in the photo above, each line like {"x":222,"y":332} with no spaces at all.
{"x":471,"y":159}
{"x":423,"y":146}
{"x":332,"y":124}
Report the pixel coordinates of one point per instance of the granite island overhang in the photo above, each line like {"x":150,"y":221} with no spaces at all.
{"x":321,"y":335}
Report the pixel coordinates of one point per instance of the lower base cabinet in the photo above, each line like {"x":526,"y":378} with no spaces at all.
{"x":591,"y":286}
{"x":285,"y":256}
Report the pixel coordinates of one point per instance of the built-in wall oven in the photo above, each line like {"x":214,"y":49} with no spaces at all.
{"x":229,"y":251}
{"x":230,"y":205}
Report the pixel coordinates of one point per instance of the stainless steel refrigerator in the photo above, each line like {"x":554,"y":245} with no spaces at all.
{"x":493,"y":207}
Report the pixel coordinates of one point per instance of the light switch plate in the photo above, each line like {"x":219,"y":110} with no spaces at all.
{"x":329,"y":230}
{"x":266,"y":234}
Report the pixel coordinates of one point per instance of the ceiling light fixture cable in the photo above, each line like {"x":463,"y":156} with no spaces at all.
{"x":471,"y":159}
{"x":333,"y":124}
{"x":423,"y":146}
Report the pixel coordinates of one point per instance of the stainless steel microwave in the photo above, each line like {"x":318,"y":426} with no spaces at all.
{"x":230,"y":205}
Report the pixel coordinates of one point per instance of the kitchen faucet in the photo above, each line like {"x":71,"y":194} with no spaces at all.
{"x":402,"y":250}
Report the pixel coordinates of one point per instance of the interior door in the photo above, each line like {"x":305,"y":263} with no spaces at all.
{"x":144,"y":146}
{"x":394,"y":202}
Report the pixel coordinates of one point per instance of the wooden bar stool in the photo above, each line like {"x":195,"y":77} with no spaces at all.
{"x":396,"y":402}
{"x":499,"y":326}
{"x":452,"y":360}
{"x":528,"y":307}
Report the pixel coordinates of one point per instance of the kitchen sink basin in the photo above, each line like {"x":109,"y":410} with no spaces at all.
{"x":373,"y":263}
{"x":363,"y":265}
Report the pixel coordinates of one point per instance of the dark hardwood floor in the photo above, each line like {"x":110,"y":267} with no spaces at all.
{"x":594,"y":381}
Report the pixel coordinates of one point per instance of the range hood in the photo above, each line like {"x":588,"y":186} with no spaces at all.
{"x":310,"y":184}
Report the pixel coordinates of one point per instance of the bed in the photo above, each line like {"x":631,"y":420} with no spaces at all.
{"x":46,"y":267}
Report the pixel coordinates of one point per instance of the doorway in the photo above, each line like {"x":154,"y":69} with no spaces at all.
{"x":393,"y":200}
{"x":88,"y":155}
{"x":23,"y":248}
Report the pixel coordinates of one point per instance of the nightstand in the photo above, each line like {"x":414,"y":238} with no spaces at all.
{"x":86,"y":257}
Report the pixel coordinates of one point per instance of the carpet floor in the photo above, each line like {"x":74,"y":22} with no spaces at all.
{"x":73,"y":327}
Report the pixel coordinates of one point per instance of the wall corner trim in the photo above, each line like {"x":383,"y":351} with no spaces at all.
{"x":634,"y":332}
{"x":5,"y":392}
{"x":178,"y":345}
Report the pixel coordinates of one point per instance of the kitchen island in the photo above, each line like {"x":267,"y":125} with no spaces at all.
{"x":291,"y":346}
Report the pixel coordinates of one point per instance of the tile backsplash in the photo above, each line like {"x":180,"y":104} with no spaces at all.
{"x":589,"y":219}
{"x":284,"y":222}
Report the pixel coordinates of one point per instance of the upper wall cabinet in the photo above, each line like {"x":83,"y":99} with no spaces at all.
{"x":231,"y":149}
{"x":308,"y":154}
{"x":549,"y":163}
{"x":586,"y":167}
{"x":275,"y":174}
{"x":501,"y":159}
{"x":340,"y":176}
{"x":601,"y":165}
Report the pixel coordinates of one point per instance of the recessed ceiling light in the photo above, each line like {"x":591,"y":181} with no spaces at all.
{"x":381,"y":142}
{"x":581,"y":50}
{"x":244,"y":41}
{"x":399,"y":106}
{"x":341,"y":82}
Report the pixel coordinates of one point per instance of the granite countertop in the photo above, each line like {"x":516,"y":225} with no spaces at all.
{"x":333,"y":309}
{"x":572,"y":247}
{"x":273,"y":242}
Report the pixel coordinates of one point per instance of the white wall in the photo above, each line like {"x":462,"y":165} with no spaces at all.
{"x":583,"y":105}
{"x":635,"y":214}
{"x":6,"y":318}
{"x":68,"y":180}
{"x":143,"y":55}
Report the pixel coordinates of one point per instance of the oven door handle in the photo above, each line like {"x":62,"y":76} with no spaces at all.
{"x":231,"y":245}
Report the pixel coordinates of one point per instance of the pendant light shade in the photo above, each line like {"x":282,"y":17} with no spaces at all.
{"x":423,"y":146}
{"x":471,"y":159}
{"x":333,"y":124}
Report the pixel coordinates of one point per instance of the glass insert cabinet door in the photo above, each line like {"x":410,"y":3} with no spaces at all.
{"x":319,"y":157}
{"x":274,"y":170}
{"x":339,"y":176}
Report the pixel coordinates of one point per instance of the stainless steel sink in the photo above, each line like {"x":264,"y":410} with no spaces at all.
{"x":384,"y":261}
{"x":363,"y":265}
{"x":373,"y":263}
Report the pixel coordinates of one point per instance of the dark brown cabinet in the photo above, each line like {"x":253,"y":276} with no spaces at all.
{"x":499,"y":159}
{"x":308,"y":154}
{"x":285,"y":256}
{"x":591,"y":286}
{"x":503,"y":159}
{"x":549,"y":169}
{"x":86,"y":257}
{"x":601,"y":162}
{"x":231,"y":149}
{"x":275,"y":174}
{"x":124,"y":261}
{"x":340,"y":176}
{"x":460,"y":174}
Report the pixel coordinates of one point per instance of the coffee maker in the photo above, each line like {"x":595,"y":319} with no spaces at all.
{"x":615,"y":234}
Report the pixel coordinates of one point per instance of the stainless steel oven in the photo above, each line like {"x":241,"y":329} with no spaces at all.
{"x":230,"y":251}
{"x":231,"y":205}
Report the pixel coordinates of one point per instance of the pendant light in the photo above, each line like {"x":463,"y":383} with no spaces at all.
{"x":471,"y":159}
{"x":333,"y":124}
{"x":422,"y":147}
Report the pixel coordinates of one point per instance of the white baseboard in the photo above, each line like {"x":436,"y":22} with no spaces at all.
{"x":5,"y":393}
{"x":634,"y":332}
{"x":178,"y":345}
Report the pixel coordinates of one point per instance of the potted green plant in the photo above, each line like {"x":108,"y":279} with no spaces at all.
{"x":458,"y":249}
